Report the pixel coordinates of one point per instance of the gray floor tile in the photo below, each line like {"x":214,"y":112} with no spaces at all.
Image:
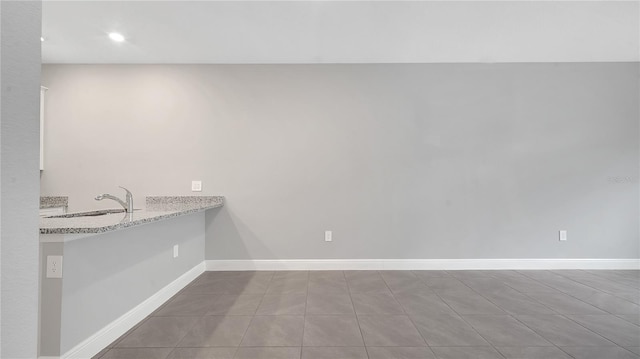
{"x":561,"y":331}
{"x":632,"y":295}
{"x":447,"y":330}
{"x":446,"y":284}
{"x":137,"y":353}
{"x":398,"y":275}
{"x":594,"y":281}
{"x":158,"y":332}
{"x":334,"y":353}
{"x":212,"y":315}
{"x":227,"y":304}
{"x":562,"y":284}
{"x":389,"y":330}
{"x":470,"y":303}
{"x":243,"y":285}
{"x":236,"y":275}
{"x":426,"y":274}
{"x":375,"y":303}
{"x":565,"y":304}
{"x":413,"y":287}
{"x":464,"y":273}
{"x":329,"y":303}
{"x":291,"y":275}
{"x":288,"y":285}
{"x":186,"y":305}
{"x":331,"y":331}
{"x":115,"y":342}
{"x":611,"y":327}
{"x":599,"y":353}
{"x":533,"y":353}
{"x":504,"y":330}
{"x":612,"y":304}
{"x":404,"y":282}
{"x":334,"y":274}
{"x":284,"y":304}
{"x":216,"y":331}
{"x":631,"y":318}
{"x":268,"y":353}
{"x":101,"y":353}
{"x":327,"y":283}
{"x":352,"y":274}
{"x":466,"y":353}
{"x":400,"y":353}
{"x":202,"y":353}
{"x":423,"y":304}
{"x":271,"y":331}
{"x":635,"y":350}
{"x":484,"y":285}
{"x":513,"y":302}
{"x":527,"y":285}
{"x":367,"y":284}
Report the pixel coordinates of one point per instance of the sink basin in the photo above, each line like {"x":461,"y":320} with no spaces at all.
{"x":101,"y":212}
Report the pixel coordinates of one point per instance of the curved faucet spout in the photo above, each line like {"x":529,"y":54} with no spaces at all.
{"x":128,"y":205}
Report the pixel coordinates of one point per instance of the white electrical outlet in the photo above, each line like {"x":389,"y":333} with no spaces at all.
{"x":327,"y":236}
{"x":563,"y":235}
{"x":196,"y":186}
{"x":54,"y":266}
{"x":175,"y":251}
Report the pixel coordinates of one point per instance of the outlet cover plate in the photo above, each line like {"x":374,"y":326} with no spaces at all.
{"x":54,"y":266}
{"x":196,"y":186}
{"x":563,"y":235}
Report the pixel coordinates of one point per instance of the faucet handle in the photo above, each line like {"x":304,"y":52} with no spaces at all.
{"x":128,"y":192}
{"x":129,"y":204}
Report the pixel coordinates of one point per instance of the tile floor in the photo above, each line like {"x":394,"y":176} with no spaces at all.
{"x":394,"y":314}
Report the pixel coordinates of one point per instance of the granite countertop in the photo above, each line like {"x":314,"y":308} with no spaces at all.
{"x":53,"y":201}
{"x":158,"y":208}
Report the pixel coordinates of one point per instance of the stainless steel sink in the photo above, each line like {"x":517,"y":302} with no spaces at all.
{"x":101,"y":212}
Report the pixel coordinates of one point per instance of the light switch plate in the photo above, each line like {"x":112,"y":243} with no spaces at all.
{"x":196,"y":186}
{"x":54,"y":266}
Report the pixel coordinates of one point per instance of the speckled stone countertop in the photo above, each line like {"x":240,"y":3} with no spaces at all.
{"x":175,"y":207}
{"x":53,"y":201}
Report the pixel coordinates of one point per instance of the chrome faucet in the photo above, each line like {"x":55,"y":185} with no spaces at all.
{"x":128,"y":206}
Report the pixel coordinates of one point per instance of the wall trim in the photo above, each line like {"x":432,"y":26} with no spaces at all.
{"x":421,"y":264}
{"x":105,"y":336}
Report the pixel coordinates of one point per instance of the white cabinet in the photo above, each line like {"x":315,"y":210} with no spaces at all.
{"x":43,"y":90}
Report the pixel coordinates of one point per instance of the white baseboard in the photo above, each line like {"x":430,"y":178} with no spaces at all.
{"x":105,"y":336}
{"x":420,"y":264}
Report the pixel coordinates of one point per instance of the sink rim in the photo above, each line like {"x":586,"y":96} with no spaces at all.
{"x":100,"y":212}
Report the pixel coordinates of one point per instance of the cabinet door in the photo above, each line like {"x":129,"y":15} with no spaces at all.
{"x":43,"y":90}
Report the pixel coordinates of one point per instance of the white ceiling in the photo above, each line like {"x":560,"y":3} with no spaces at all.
{"x":340,"y":32}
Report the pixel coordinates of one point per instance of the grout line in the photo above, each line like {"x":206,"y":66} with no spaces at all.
{"x":461,"y":317}
{"x":578,"y":299}
{"x":515,"y":318}
{"x":355,"y":313}
{"x":304,"y":316}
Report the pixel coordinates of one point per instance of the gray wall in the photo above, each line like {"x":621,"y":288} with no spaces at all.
{"x":400,"y":161}
{"x":20,"y":24}
{"x":106,"y":275}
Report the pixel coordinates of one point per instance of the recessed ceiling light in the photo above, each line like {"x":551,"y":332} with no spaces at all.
{"x":116,"y":37}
